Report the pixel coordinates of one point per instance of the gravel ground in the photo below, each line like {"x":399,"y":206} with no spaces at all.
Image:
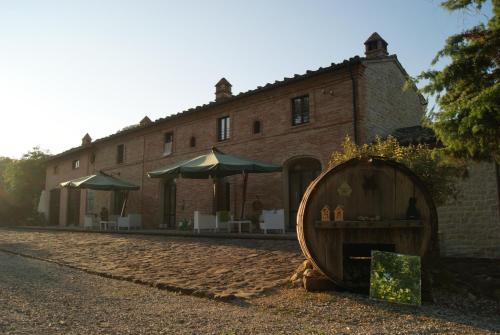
{"x":38,"y":297}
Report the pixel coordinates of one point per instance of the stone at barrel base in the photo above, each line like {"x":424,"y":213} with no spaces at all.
{"x":314,"y":280}
{"x":310,"y":278}
{"x":296,"y":278}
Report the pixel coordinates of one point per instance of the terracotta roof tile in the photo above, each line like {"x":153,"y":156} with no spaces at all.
{"x":277,"y":83}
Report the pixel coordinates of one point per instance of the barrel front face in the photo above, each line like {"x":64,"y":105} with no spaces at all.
{"x":372,"y":205}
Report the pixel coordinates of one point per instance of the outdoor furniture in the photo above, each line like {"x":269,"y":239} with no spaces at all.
{"x":214,"y":165}
{"x":204,"y":221}
{"x":222,"y":220}
{"x":131,"y":221}
{"x":111,"y":223}
{"x":239,"y":224}
{"x":272,"y":220}
{"x":102,"y":182}
{"x":90,"y":222}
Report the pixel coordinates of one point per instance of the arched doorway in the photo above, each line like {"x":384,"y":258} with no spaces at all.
{"x":301,"y":172}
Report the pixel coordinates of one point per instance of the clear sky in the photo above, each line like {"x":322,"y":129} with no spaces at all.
{"x":96,"y":66}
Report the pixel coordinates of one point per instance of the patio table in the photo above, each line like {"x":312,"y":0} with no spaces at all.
{"x":239,"y":222}
{"x":107,"y":224}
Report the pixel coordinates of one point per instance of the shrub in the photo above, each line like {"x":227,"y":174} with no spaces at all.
{"x":439,"y":175}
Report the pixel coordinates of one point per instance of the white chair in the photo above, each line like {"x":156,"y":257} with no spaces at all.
{"x":272,"y":220}
{"x":90,"y":222}
{"x":204,"y":221}
{"x":222,"y":219}
{"x":131,"y":221}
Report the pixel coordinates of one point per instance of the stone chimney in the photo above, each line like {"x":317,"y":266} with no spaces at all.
{"x":86,"y":140}
{"x":145,"y":120}
{"x":375,"y":46}
{"x":223,"y":90}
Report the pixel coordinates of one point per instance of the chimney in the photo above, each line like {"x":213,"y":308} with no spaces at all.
{"x":375,"y":46}
{"x":86,"y":140}
{"x":145,"y":120}
{"x":223,"y":90}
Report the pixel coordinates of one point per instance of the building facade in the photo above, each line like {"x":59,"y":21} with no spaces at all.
{"x":296,"y":122}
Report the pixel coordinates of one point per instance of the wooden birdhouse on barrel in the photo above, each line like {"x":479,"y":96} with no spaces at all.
{"x":325,"y":213}
{"x":385,"y":207}
{"x":339,"y":213}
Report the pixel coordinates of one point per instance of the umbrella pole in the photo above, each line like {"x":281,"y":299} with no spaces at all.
{"x":214,"y":200}
{"x":243,"y":199}
{"x":124,"y":207}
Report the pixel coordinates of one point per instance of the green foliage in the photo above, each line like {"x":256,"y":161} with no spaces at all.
{"x":185,"y":224}
{"x":21,"y":182}
{"x":395,"y":277}
{"x":224,"y":216}
{"x":438,"y":175}
{"x":467,"y":90}
{"x":5,"y":199}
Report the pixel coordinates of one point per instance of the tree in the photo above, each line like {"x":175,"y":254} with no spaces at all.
{"x":467,"y":90}
{"x":23,"y":180}
{"x":5,"y":199}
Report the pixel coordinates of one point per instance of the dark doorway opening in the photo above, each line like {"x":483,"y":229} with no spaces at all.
{"x":54,"y":206}
{"x":169,"y":204}
{"x":223,"y":193}
{"x":73,"y":217}
{"x":301,"y":172}
{"x":357,"y":263}
{"x":118,"y":199}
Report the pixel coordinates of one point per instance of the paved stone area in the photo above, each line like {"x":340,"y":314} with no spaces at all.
{"x":219,"y":268}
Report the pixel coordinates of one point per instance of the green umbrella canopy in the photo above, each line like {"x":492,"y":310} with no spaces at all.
{"x":100,"y":182}
{"x":214,"y":164}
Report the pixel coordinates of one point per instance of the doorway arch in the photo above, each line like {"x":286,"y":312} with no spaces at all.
{"x":299,"y":172}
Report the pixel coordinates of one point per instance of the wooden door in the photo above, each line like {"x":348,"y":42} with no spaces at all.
{"x":169,"y":204}
{"x":54,"y":206}
{"x":223,"y":193}
{"x":73,"y":217}
{"x":300,"y":174}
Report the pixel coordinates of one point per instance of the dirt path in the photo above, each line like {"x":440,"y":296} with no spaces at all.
{"x":210,"y":267}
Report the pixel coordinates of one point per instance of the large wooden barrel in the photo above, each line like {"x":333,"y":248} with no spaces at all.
{"x":384,"y":205}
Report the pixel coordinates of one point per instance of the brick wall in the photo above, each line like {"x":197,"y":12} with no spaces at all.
{"x":467,"y":227}
{"x":63,"y":173}
{"x":279,"y":142}
{"x":387,"y":105}
{"x":470,"y":226}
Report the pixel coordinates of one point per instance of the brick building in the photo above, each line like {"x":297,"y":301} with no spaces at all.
{"x":296,"y":122}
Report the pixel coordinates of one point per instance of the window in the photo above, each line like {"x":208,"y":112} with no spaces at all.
{"x":167,"y":145}
{"x":192,"y":142}
{"x":120,"y":153}
{"x":300,"y":110}
{"x":90,"y":202}
{"x":75,"y":164}
{"x":223,"y":128}
{"x":56,"y":169}
{"x":256,"y":127}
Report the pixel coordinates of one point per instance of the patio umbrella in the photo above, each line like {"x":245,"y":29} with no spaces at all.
{"x":216,"y":164}
{"x":102,"y":182}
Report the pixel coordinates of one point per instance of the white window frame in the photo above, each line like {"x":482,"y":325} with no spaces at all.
{"x":168,"y":147}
